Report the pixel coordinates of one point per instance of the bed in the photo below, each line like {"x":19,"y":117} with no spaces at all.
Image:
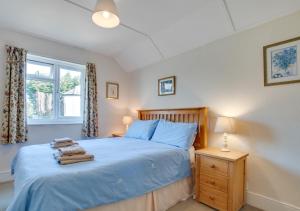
{"x":127,"y":174}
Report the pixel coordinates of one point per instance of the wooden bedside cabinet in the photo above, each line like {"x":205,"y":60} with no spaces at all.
{"x":220,"y":178}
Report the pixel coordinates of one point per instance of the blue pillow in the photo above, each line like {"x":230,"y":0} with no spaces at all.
{"x":177,"y":134}
{"x":142,"y":129}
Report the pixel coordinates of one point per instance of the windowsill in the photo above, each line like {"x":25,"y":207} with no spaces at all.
{"x":55,"y":122}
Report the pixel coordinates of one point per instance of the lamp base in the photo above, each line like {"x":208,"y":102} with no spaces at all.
{"x":225,"y":150}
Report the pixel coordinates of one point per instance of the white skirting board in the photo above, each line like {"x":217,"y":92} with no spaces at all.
{"x":5,"y":176}
{"x":268,"y":204}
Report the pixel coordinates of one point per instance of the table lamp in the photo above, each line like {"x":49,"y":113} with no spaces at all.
{"x":127,"y":120}
{"x":224,"y":125}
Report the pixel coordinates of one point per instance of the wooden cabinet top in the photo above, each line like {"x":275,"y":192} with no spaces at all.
{"x":217,"y":153}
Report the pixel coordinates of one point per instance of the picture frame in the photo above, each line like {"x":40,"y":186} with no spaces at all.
{"x":282,"y":62}
{"x":167,"y":86}
{"x":112,"y":90}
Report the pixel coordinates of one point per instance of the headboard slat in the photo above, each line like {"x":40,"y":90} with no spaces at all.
{"x":198,"y":115}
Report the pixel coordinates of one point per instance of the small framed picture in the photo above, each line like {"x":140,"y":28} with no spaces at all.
{"x":167,"y":86}
{"x":112,"y":90}
{"x":281,"y":62}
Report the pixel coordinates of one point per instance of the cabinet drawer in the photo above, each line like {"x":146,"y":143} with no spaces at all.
{"x":217,"y":182}
{"x":212,"y":197}
{"x":213,"y":166}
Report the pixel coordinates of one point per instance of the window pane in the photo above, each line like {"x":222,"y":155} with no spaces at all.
{"x":70,"y":106}
{"x":39,"y":96}
{"x":70,"y":91}
{"x":40,"y":70}
{"x":69,"y":81}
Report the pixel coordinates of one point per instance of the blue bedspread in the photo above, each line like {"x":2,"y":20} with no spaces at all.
{"x":123,"y":168}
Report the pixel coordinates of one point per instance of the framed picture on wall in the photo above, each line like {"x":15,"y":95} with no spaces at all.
{"x":281,"y":62}
{"x":167,"y":86}
{"x":112,"y":90}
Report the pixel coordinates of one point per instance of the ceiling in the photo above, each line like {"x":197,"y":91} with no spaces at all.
{"x":175,"y":26}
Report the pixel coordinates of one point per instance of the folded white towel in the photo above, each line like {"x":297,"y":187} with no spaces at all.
{"x":71,"y":150}
{"x":62,"y":144}
{"x":72,"y":157}
{"x":61,"y":140}
{"x":65,"y":162}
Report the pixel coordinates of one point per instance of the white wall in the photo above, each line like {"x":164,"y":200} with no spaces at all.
{"x":110,"y":111}
{"x":227,"y":76}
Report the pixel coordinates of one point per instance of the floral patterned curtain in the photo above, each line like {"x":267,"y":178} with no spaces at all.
{"x":90,"y":121}
{"x":14,"y":125}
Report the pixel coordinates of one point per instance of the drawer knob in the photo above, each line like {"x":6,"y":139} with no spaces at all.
{"x":213,"y":183}
{"x":211,"y":198}
{"x":213,"y":166}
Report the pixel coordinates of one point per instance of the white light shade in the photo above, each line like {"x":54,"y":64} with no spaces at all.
{"x":224,"y":125}
{"x":127,"y":120}
{"x":106,"y":14}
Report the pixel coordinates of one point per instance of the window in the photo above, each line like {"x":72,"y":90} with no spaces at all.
{"x":54,"y":91}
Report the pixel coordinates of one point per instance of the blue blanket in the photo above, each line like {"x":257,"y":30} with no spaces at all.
{"x":123,"y":168}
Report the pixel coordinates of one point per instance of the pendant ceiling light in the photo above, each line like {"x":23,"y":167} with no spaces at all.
{"x":106,"y":14}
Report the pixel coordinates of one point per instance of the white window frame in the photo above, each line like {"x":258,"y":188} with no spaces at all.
{"x":57,"y":64}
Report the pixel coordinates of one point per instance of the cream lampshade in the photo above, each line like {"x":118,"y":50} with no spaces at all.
{"x":127,"y":120}
{"x":106,"y":14}
{"x":224,"y":125}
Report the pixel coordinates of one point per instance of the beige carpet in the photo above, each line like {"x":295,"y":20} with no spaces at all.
{"x":192,"y":205}
{"x":189,"y":205}
{"x":6,"y":193}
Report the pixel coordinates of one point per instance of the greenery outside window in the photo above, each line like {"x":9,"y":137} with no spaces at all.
{"x":54,"y":91}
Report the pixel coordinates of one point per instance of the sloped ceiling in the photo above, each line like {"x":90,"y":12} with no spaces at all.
{"x":175,"y":26}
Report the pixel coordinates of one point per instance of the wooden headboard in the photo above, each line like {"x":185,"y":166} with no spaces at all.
{"x":188,"y":115}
